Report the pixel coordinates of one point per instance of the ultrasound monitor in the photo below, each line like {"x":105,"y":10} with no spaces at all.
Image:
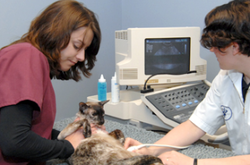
{"x":171,"y":54}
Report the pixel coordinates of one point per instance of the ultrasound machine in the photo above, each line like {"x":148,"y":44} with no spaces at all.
{"x":165,"y":78}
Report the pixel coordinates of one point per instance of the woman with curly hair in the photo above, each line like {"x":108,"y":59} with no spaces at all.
{"x":62,"y":42}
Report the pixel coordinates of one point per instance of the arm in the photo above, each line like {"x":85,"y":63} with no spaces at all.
{"x":175,"y":137}
{"x":184,"y":134}
{"x":173,"y":157}
{"x":236,"y":160}
{"x":17,"y":139}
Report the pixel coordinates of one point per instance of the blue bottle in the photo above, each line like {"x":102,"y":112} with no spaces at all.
{"x":102,"y":89}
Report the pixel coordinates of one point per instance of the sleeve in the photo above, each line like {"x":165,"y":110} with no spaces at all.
{"x":18,"y":141}
{"x":208,"y":115}
{"x":54,"y":134}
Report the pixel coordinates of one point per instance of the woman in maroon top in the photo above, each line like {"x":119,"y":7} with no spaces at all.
{"x":62,"y":43}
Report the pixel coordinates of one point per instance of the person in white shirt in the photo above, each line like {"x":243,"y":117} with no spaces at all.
{"x":227,"y":34}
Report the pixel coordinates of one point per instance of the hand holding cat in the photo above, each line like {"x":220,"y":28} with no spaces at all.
{"x":75,"y":138}
{"x":94,"y":128}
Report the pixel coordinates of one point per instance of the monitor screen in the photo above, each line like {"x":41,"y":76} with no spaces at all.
{"x":167,"y":56}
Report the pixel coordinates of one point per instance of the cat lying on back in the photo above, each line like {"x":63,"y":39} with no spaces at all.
{"x":101,"y":148}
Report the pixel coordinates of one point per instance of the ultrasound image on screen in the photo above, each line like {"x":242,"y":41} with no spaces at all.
{"x":167,"y":56}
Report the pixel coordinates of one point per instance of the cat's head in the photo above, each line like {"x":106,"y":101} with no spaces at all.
{"x":93,"y":111}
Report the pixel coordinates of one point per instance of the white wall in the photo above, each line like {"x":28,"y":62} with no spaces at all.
{"x":15,"y":18}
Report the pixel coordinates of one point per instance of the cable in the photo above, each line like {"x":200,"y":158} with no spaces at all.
{"x":149,"y":89}
{"x":132,"y":148}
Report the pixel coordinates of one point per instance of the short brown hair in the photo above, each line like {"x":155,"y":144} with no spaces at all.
{"x":226,"y":24}
{"x":50,"y":33}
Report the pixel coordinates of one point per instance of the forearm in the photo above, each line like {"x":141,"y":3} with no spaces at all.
{"x":174,"y":157}
{"x":17,"y":139}
{"x":236,"y":160}
{"x":36,"y":148}
{"x":182,"y":135}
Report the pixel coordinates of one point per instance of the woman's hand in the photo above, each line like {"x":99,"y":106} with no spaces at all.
{"x":131,"y":142}
{"x":94,"y":128}
{"x":75,"y":138}
{"x":175,"y":158}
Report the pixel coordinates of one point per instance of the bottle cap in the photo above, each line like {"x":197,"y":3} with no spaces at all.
{"x":102,"y":78}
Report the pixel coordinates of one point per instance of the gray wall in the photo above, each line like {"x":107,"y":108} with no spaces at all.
{"x":171,"y":13}
{"x":15,"y":18}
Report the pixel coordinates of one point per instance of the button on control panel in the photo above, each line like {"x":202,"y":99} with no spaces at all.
{"x":179,"y":104}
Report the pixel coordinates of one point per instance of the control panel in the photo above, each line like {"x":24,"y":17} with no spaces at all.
{"x":176,"y":104}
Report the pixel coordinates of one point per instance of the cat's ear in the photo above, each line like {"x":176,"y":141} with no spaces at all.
{"x":82,"y":106}
{"x":103,"y":102}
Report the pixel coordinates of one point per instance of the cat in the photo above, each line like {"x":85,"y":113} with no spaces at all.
{"x":89,"y":113}
{"x":101,"y":148}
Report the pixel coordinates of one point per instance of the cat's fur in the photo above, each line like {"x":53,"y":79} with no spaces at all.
{"x":101,"y":148}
